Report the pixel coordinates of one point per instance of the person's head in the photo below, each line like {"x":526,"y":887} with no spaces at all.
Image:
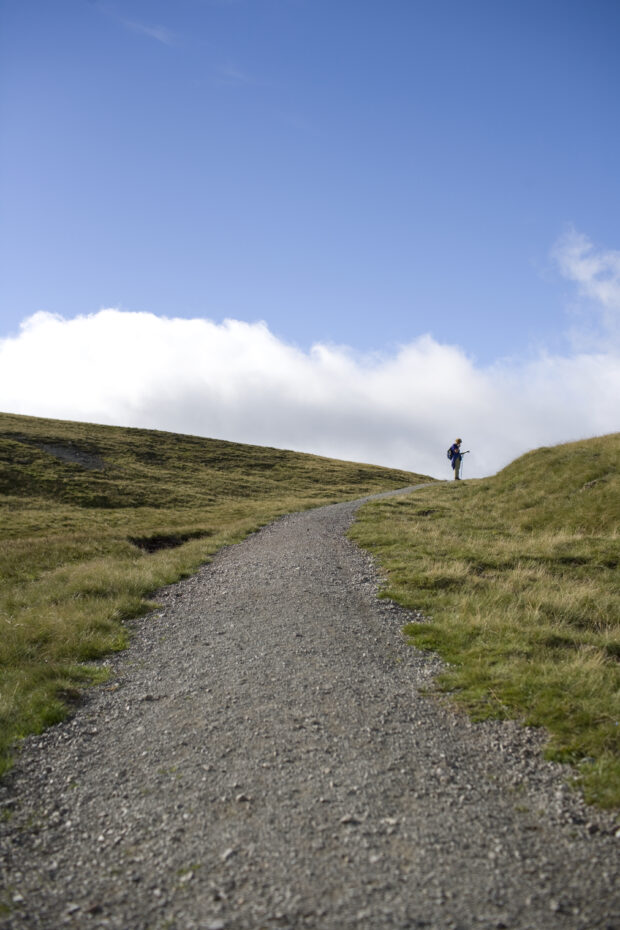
{"x":458,"y":441}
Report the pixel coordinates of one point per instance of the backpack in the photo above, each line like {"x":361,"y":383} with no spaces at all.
{"x":450,"y":453}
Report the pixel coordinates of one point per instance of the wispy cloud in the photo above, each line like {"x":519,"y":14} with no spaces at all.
{"x":596,"y":272}
{"x":229,"y":75}
{"x":159,"y":33}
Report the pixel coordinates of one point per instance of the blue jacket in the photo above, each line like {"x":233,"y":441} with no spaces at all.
{"x":456,"y":454}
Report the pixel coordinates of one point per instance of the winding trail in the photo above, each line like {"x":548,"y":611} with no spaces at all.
{"x":265,"y":756}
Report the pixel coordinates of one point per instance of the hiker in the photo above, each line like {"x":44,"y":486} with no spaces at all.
{"x":455,"y":456}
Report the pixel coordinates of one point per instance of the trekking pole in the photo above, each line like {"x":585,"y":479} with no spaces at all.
{"x":462,"y":454}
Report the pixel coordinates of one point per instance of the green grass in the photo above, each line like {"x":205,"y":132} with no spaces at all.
{"x":519,"y":578}
{"x":94,"y":519}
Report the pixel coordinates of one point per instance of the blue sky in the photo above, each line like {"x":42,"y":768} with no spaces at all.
{"x":352,"y":172}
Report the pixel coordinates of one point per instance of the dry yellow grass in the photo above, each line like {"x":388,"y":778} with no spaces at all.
{"x":84,"y":513}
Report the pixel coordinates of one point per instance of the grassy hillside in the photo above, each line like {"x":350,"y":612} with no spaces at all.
{"x":93,"y":519}
{"x":519,"y":577}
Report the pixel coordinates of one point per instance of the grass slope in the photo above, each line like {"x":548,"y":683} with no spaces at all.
{"x":96,"y":518}
{"x":518,"y":575}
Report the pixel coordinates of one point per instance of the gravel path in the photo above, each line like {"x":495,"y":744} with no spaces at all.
{"x":265,"y":757}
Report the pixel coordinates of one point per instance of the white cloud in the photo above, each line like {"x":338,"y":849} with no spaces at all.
{"x":597,"y":275}
{"x":238,"y":381}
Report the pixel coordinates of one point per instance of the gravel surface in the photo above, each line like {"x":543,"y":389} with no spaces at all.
{"x":265,"y":756}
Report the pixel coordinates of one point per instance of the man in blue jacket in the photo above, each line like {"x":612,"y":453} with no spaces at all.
{"x":456,"y":457}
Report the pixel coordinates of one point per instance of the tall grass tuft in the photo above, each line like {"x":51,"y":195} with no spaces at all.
{"x":519,"y":576}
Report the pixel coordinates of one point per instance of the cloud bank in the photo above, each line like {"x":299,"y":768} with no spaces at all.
{"x":238,"y":381}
